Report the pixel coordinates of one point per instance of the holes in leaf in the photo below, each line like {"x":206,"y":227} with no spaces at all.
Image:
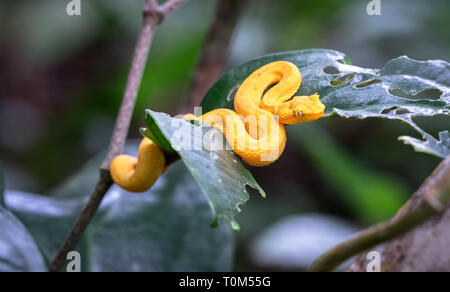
{"x":367,"y":83}
{"x":331,"y":70}
{"x":342,"y":80}
{"x":431,"y":93}
{"x":387,"y":110}
{"x":402,"y":111}
{"x":394,"y":110}
{"x":433,"y":125}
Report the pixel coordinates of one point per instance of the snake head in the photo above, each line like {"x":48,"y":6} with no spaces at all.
{"x":301,"y":109}
{"x":309,"y":108}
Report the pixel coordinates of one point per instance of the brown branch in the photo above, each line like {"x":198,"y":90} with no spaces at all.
{"x":129,"y":99}
{"x":153,"y":15}
{"x":70,"y":243}
{"x":215,"y":51}
{"x":431,"y":199}
{"x":170,"y":6}
{"x":424,"y":248}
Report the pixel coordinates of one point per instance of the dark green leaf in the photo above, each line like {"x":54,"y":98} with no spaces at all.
{"x":18,"y":250}
{"x":164,"y":229}
{"x":310,"y":62}
{"x":154,"y":133}
{"x":402,"y":90}
{"x":49,"y":220}
{"x":219,"y":173}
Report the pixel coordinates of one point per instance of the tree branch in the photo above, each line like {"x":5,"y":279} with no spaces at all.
{"x":431,"y":199}
{"x":153,"y":15}
{"x":169,"y":6}
{"x":215,"y":51}
{"x":134,"y":80}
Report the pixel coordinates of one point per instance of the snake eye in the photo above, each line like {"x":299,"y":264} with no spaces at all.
{"x":298,"y":113}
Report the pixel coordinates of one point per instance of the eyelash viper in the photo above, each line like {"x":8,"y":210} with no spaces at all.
{"x":255,"y":106}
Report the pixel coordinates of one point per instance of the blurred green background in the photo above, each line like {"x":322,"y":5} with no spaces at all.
{"x":62,"y":79}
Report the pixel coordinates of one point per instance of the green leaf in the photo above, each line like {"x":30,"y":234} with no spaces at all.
{"x":2,"y":186}
{"x":430,"y":145}
{"x":219,"y":173}
{"x":18,"y":250}
{"x":371,"y":196}
{"x":154,"y":133}
{"x":310,"y":62}
{"x":164,"y":229}
{"x":402,"y":90}
{"x":49,"y":220}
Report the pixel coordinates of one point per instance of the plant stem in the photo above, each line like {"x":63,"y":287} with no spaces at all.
{"x":169,"y":6}
{"x":129,"y":99}
{"x":70,"y":243}
{"x":153,"y":15}
{"x":434,"y":195}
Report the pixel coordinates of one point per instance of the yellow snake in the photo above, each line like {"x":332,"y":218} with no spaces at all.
{"x":255,"y":130}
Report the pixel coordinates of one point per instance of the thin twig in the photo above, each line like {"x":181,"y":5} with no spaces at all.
{"x":215,"y":51}
{"x":169,"y":6}
{"x":70,"y":243}
{"x":434,"y":195}
{"x":153,"y":15}
{"x":129,"y":99}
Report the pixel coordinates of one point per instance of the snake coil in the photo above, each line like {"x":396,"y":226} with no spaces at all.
{"x":255,"y":130}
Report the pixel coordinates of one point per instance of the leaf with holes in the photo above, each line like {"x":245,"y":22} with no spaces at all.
{"x":218,"y":171}
{"x":402,"y":90}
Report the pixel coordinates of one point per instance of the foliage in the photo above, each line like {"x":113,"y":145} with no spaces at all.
{"x":18,"y":252}
{"x":164,"y":229}
{"x":402,"y":90}
{"x":219,"y":173}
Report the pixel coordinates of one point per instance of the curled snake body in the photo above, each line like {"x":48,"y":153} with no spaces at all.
{"x":255,"y":130}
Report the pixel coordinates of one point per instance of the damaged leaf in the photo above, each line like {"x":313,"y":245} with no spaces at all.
{"x":402,"y":90}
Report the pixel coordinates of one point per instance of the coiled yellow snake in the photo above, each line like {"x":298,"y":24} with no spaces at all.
{"x":255,"y":130}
